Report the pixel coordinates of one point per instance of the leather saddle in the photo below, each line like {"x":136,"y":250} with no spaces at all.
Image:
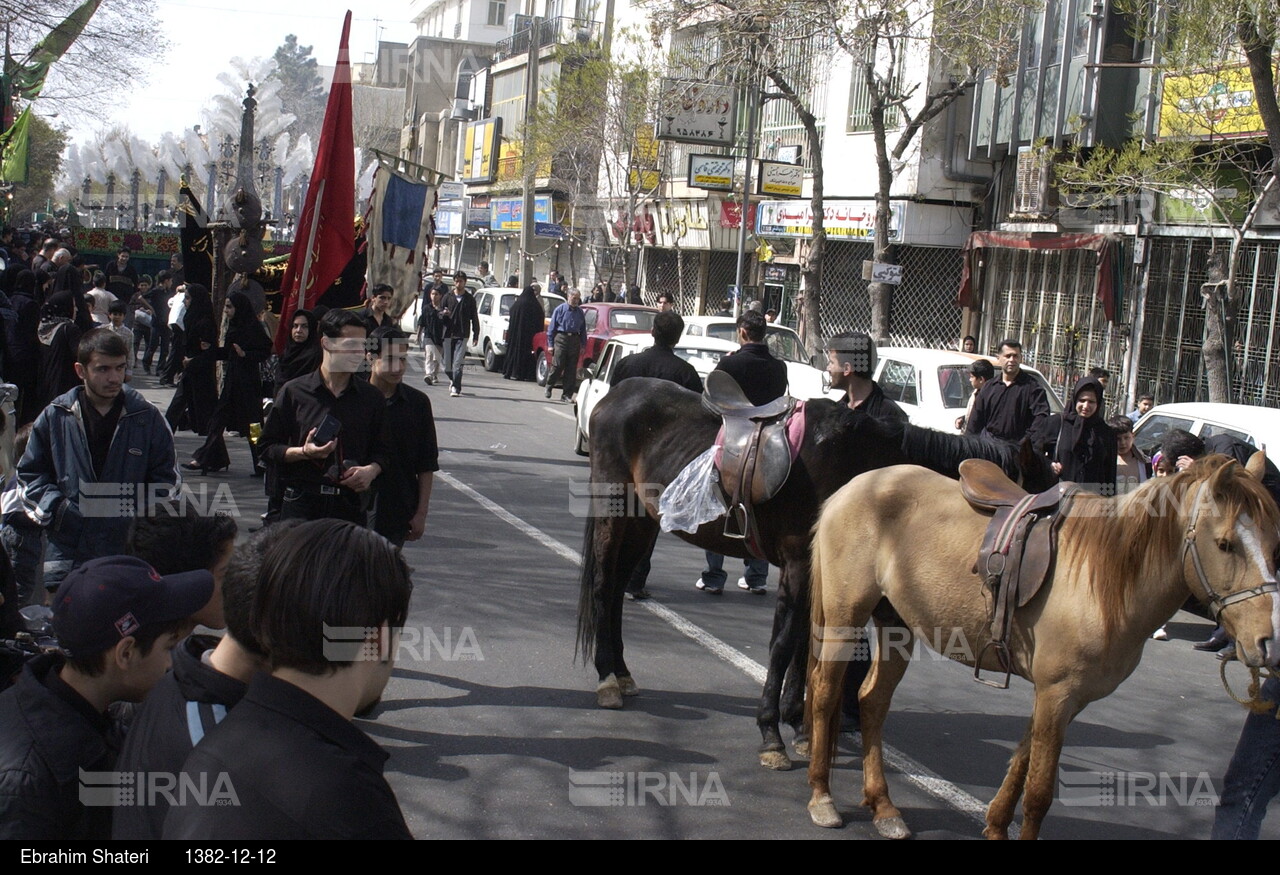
{"x":1018,"y":549}
{"x":755,"y":459}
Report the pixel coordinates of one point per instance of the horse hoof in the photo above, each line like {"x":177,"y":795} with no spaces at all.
{"x":893,"y":828}
{"x":776,"y":760}
{"x":802,"y":749}
{"x":627,"y":686}
{"x":823,"y":813}
{"x":608,"y":695}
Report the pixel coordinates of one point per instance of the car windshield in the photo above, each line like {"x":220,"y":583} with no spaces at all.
{"x":631,"y":320}
{"x":783,"y":342}
{"x":1151,"y":433}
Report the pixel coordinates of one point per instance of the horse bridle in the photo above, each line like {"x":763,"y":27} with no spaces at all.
{"x":1217,"y":604}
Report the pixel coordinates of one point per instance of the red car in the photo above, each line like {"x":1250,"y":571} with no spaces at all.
{"x":603,"y":322}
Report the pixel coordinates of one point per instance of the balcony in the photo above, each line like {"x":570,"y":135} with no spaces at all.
{"x":550,"y":32}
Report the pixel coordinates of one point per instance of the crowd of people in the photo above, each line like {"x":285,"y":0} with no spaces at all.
{"x":96,"y":528}
{"x":93,"y":526}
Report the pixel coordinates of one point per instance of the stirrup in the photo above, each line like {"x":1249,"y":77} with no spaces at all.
{"x":1002,"y":652}
{"x":735,"y":523}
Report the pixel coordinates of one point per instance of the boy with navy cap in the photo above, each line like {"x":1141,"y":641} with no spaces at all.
{"x":116,"y":619}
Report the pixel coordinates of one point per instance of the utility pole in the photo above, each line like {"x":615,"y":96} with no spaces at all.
{"x":528,"y":159}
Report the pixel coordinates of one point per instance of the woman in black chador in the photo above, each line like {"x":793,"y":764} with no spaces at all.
{"x":246,"y":347}
{"x":527,"y":318}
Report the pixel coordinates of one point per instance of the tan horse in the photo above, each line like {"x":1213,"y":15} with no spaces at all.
{"x":902,"y":542}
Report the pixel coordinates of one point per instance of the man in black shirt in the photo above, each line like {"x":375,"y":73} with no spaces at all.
{"x":122,"y":279}
{"x":1013,"y":406}
{"x":158,"y":300}
{"x":763,"y":378}
{"x":403,"y":490}
{"x":377,"y":310}
{"x":209,"y":678}
{"x":117,"y":618}
{"x":331,"y":479}
{"x":660,"y":362}
{"x":851,"y":360}
{"x":331,"y":599}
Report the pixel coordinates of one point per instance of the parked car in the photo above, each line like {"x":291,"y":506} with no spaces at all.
{"x":604,"y":321}
{"x":1259,"y":426}
{"x":494,"y":306}
{"x":806,"y":374}
{"x":701,"y":352}
{"x":932,"y":385}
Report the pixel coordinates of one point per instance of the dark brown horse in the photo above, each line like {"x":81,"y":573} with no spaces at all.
{"x":645,"y":431}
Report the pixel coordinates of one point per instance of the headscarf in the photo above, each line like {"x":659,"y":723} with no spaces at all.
{"x":243,"y":319}
{"x":201,"y":308}
{"x":299,"y":359}
{"x":1086,"y":446}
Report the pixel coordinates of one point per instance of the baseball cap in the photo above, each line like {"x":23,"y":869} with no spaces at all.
{"x":106,"y":600}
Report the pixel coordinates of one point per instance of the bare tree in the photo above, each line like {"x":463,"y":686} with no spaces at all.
{"x":109,"y":58}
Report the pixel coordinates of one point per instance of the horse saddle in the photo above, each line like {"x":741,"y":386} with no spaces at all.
{"x":1018,"y":549}
{"x":756,"y":454}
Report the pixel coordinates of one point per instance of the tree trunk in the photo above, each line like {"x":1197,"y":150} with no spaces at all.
{"x":882,"y":251}
{"x":811,"y":272}
{"x":1259,"y":53}
{"x":1215,"y":351}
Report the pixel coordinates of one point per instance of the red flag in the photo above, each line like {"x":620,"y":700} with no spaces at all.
{"x":325,"y":240}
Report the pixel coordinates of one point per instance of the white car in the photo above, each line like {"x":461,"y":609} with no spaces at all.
{"x":494,"y":308}
{"x":409,"y":318}
{"x":701,"y":352}
{"x":932,"y":385}
{"x":1259,"y":426}
{"x":803,"y":379}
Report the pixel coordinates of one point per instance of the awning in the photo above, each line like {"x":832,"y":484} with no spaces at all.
{"x":1107,"y":286}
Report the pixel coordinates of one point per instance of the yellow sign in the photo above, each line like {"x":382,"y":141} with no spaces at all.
{"x":1216,"y":104}
{"x":480,"y":150}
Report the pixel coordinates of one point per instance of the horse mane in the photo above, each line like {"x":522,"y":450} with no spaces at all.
{"x":1121,"y":537}
{"x":943,"y":452}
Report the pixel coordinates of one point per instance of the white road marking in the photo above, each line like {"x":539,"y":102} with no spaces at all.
{"x":561,"y":412}
{"x":915,"y":773}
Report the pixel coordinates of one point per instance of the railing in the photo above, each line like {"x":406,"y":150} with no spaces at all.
{"x":550,"y":32}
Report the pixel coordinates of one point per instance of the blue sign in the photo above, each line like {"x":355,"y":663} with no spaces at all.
{"x":506,"y":214}
{"x":549,"y":229}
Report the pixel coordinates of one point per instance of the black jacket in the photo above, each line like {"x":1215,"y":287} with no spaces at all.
{"x":659,"y":362}
{"x":299,"y":771}
{"x":186,"y":703}
{"x":463,"y":319}
{"x":46,"y":738}
{"x":761,"y":376}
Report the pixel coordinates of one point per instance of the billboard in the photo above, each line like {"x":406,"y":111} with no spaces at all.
{"x":697,"y":112}
{"x":480,"y":151}
{"x":1213,"y":104}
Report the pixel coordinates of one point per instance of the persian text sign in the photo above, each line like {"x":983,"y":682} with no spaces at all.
{"x":713,"y":172}
{"x":781,"y":180}
{"x":1217,"y":104}
{"x":697,"y":112}
{"x":847,"y":220}
{"x":507,"y":213}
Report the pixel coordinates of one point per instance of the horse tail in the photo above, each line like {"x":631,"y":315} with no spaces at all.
{"x":817,"y":616}
{"x":588,"y":603}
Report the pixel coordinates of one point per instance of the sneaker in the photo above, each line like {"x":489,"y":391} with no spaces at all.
{"x":430,"y":381}
{"x":454,"y":393}
{"x":548,"y":391}
{"x":1160,"y":635}
{"x":708,"y":590}
{"x":639,"y":595}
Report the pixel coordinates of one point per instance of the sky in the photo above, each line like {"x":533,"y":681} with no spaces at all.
{"x":205,"y":34}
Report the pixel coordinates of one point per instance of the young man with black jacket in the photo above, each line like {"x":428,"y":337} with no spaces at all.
{"x":117,"y":619}
{"x":458,"y":309}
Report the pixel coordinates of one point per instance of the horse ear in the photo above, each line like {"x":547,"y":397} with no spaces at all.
{"x":1257,"y":466}
{"x":1223,"y":475}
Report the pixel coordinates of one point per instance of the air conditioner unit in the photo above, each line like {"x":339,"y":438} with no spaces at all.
{"x":1033,"y":183}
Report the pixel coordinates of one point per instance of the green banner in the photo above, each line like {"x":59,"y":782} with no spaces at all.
{"x":13,"y":149}
{"x":28,"y":76}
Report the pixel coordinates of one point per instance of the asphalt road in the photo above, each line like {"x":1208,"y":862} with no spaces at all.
{"x":493,"y":730}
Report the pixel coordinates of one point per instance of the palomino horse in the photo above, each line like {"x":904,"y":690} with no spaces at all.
{"x":643,"y":434}
{"x":900,"y":544}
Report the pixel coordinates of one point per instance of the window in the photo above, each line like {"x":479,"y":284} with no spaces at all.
{"x":590,"y":317}
{"x":860,"y":96}
{"x":497,"y":13}
{"x":486,"y":305}
{"x":507,"y":301}
{"x":898,"y":382}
